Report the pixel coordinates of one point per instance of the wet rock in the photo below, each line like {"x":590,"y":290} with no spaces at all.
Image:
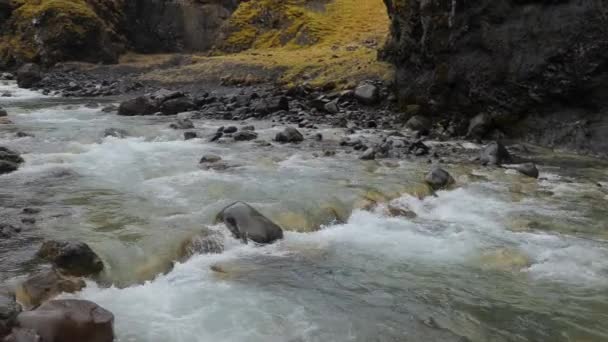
{"x":10,"y":156}
{"x":438,"y":178}
{"x":182,"y":124}
{"x":419,"y":123}
{"x":29,"y":75}
{"x":210,"y":158}
{"x":246,"y":223}
{"x":162,"y":95}
{"x":177,"y":105}
{"x":370,"y":154}
{"x":318,"y":137}
{"x":289,"y":135}
{"x":70,"y":320}
{"x":7,"y":167}
{"x":23,"y":335}
{"x":115,"y":132}
{"x":6,"y":76}
{"x":332,"y":107}
{"x":3,"y":113}
{"x":245,"y":136}
{"x":31,"y":211}
{"x":271,"y":105}
{"x":216,"y":137}
{"x":71,"y":257}
{"x":6,"y":94}
{"x":42,"y":287}
{"x":110,"y":109}
{"x":23,"y":135}
{"x":9,"y":309}
{"x":5,"y":121}
{"x":398,"y":211}
{"x":204,"y":242}
{"x":367,"y":93}
{"x":419,"y":148}
{"x":495,"y":154}
{"x":230,"y":130}
{"x":28,"y":220}
{"x":248,"y":128}
{"x":528,"y":169}
{"x":480,"y":126}
{"x":190,"y":135}
{"x":8,"y":230}
{"x":141,"y":105}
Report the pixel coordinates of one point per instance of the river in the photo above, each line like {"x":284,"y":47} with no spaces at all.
{"x":500,"y":257}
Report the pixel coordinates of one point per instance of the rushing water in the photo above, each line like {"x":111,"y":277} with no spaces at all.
{"x":498,"y":258}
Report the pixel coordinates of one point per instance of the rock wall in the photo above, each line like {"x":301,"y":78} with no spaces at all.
{"x":538,"y":68}
{"x":176,"y":25}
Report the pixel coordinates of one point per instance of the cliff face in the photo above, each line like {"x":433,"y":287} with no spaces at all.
{"x":538,"y":68}
{"x":176,"y":25}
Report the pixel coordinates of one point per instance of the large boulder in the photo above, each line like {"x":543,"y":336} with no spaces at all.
{"x":246,"y":223}
{"x":495,"y":154}
{"x":245,"y":136}
{"x":271,"y":105}
{"x":438,"y":178}
{"x":177,"y":105}
{"x":289,"y":135}
{"x":28,"y":75}
{"x":367,"y":93}
{"x":480,"y":126}
{"x":528,"y":169}
{"x":141,"y":105}
{"x":71,"y":257}
{"x":44,"y":286}
{"x":9,"y":160}
{"x":70,"y":320}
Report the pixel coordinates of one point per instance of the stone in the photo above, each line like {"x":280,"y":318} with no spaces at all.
{"x":141,"y":105}
{"x":70,"y":320}
{"x":271,"y":105}
{"x":438,"y":178}
{"x":7,"y":230}
{"x":246,"y":223}
{"x":190,"y":135}
{"x":177,"y":105}
{"x":71,"y":257}
{"x":528,"y":169}
{"x":248,"y":128}
{"x":398,"y":211}
{"x":480,"y":126}
{"x":7,"y":167}
{"x":182,"y":124}
{"x":29,"y":75}
{"x":419,"y":123}
{"x":245,"y":136}
{"x":115,"y":132}
{"x":44,"y":286}
{"x":9,"y":309}
{"x":289,"y":135}
{"x":110,"y":109}
{"x":369,"y":154}
{"x":23,"y":335}
{"x":205,"y":242}
{"x":367,"y":93}
{"x":332,"y":107}
{"x":230,"y":130}
{"x":494,"y":154}
{"x":10,"y":156}
{"x":162,"y":95}
{"x":210,"y":158}
{"x":3,"y":113}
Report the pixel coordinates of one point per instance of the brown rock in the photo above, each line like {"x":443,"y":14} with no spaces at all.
{"x":71,"y":257}
{"x":39,"y":288}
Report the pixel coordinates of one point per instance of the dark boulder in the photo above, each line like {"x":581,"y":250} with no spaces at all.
{"x":70,"y":320}
{"x":142,"y":105}
{"x":210,"y":158}
{"x":495,"y":154}
{"x":367,"y":93}
{"x":182,"y":124}
{"x":29,"y":75}
{"x":190,"y":135}
{"x":115,"y":132}
{"x":271,"y":105}
{"x":71,"y":257}
{"x":3,"y":113}
{"x":245,"y":136}
{"x":8,"y":313}
{"x":177,"y":105}
{"x":370,"y":154}
{"x":438,"y":178}
{"x":528,"y":169}
{"x":246,"y":223}
{"x":230,"y":129}
{"x":480,"y":126}
{"x":44,"y":286}
{"x":10,"y":156}
{"x":289,"y":135}
{"x":7,"y":167}
{"x":248,"y":128}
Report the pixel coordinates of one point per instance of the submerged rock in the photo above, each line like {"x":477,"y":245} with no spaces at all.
{"x":115,"y":132}
{"x":71,"y":257}
{"x":210,"y":158}
{"x":246,"y":223}
{"x":289,"y":135}
{"x":3,"y":112}
{"x":9,"y":309}
{"x":182,"y":124}
{"x":9,"y":160}
{"x":70,"y":320}
{"x":438,"y":178}
{"x":495,"y":154}
{"x":204,"y":242}
{"x":245,"y":136}
{"x":190,"y":135}
{"x":42,"y":287}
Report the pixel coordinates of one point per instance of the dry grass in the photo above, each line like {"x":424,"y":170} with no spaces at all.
{"x":343,"y":38}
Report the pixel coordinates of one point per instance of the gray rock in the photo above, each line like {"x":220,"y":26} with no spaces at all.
{"x":245,"y":136}
{"x":3,"y":112}
{"x":438,"y":178}
{"x":230,"y":130}
{"x":141,"y":105}
{"x":271,"y":105}
{"x":182,"y":124}
{"x":370,"y":154}
{"x":8,"y":313}
{"x":367,"y":94}
{"x":29,"y":75}
{"x":115,"y":132}
{"x":480,"y":126}
{"x":418,"y":123}
{"x":289,"y":135}
{"x":177,"y":105}
{"x":246,"y":223}
{"x":332,"y":107}
{"x":494,"y":154}
{"x":190,"y":135}
{"x":210,"y":158}
{"x":528,"y":169}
